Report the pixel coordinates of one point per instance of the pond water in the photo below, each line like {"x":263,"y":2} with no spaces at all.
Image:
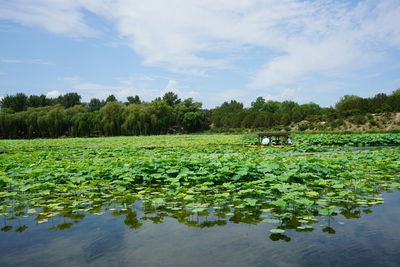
{"x":135,"y":237}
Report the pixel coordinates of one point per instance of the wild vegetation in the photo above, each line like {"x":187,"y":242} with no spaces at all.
{"x":39,"y":117}
{"x":199,"y":180}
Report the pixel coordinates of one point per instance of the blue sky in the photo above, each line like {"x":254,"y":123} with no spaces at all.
{"x":211,"y":50}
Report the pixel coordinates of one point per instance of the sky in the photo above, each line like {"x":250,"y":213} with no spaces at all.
{"x":210,"y":50}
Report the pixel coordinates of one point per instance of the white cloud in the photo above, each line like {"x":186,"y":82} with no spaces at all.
{"x":38,"y":61}
{"x":135,"y":78}
{"x":95,"y":90}
{"x":58,"y":16}
{"x":171,"y":86}
{"x":214,"y":99}
{"x":101,"y":91}
{"x":189,"y":71}
{"x":283,"y":94}
{"x":53,"y":94}
{"x":231,"y":94}
{"x":90,"y":86}
{"x":24,"y":61}
{"x":10,"y":60}
{"x":308,"y":38}
{"x":70,"y":78}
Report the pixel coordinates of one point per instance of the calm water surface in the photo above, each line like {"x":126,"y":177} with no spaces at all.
{"x":373,"y":239}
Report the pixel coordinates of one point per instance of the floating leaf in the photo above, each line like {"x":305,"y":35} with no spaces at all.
{"x":277,"y":231}
{"x":272,"y":220}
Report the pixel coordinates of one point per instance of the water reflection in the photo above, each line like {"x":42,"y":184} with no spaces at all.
{"x":20,"y":218}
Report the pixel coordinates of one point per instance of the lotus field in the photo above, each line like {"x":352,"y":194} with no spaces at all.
{"x":197,"y":180}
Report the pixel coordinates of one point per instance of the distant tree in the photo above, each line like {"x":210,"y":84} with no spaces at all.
{"x":378,"y":103}
{"x":298,"y":114}
{"x":69,"y":100}
{"x":7,"y":102}
{"x":396,"y":92}
{"x":287,"y":106}
{"x":84,"y":124}
{"x":226,"y":115}
{"x":310,"y":108}
{"x":134,"y":100}
{"x":138,"y":119}
{"x":95,"y":104}
{"x":190,"y":117}
{"x":171,"y":98}
{"x":36,"y":101}
{"x":247,"y":121}
{"x":261,"y":120}
{"x":258,"y":104}
{"x":111,"y":98}
{"x":19,"y":102}
{"x":272,"y":106}
{"x":232,"y":106}
{"x":41,"y":117}
{"x":348,"y":104}
{"x":52,"y":121}
{"x":394,"y":100}
{"x":163,"y":117}
{"x":112,"y":118}
{"x":195,"y":121}
{"x":285,"y":119}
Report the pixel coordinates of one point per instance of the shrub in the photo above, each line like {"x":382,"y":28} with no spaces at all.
{"x":358,"y":119}
{"x":303,"y":127}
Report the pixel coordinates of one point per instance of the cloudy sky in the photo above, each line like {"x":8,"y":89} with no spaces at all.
{"x":211,"y":50}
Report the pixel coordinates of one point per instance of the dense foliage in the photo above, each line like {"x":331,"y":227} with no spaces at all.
{"x":37,"y":116}
{"x":109,"y":118}
{"x":273,"y":114}
{"x":351,"y":139}
{"x":191,"y":177}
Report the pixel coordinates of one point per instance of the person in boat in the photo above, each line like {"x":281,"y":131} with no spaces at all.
{"x":265,"y":141}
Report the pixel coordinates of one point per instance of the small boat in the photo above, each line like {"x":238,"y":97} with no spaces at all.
{"x":273,"y":140}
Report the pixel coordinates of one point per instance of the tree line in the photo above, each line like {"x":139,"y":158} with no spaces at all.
{"x":24,"y":117}
{"x":41,"y":117}
{"x":270,"y":114}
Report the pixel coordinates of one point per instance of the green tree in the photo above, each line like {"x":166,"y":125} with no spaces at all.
{"x":258,"y":104}
{"x":69,"y":100}
{"x":111,"y":98}
{"x":271,"y":106}
{"x":134,"y":99}
{"x":36,"y":101}
{"x":171,"y":98}
{"x":139,"y":119}
{"x":394,"y":100}
{"x":227,"y":115}
{"x":95,"y":104}
{"x":195,"y":121}
{"x":163,"y":116}
{"x":287,"y":107}
{"x":112,"y":118}
{"x":19,"y":102}
{"x":285,"y":119}
{"x":348,"y":104}
{"x":190,"y":117}
{"x":84,"y":124}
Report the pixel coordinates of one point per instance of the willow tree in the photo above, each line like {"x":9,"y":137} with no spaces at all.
{"x":112,"y":118}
